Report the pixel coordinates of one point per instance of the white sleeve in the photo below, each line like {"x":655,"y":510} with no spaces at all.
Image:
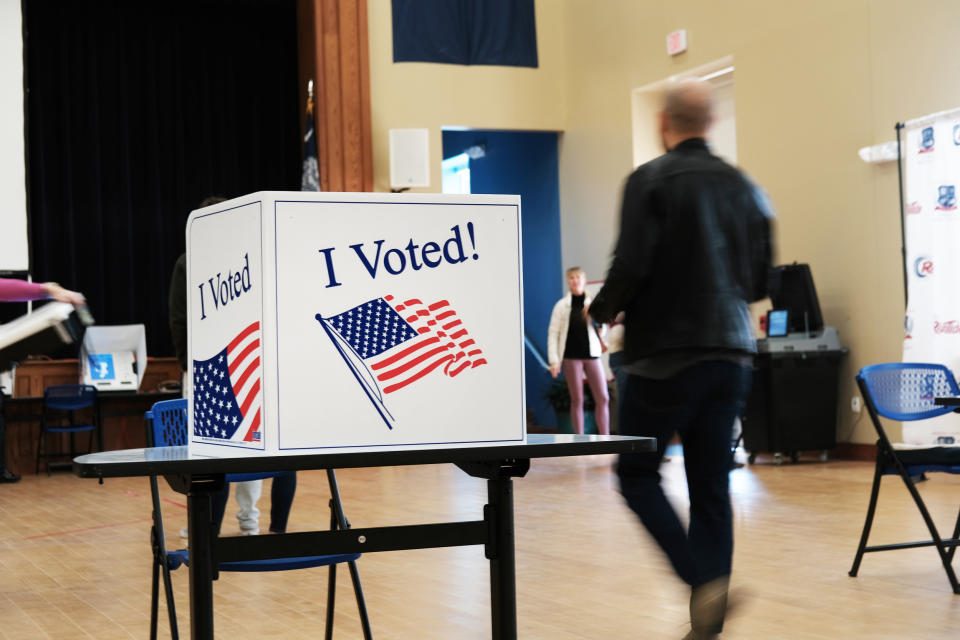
{"x":553,"y":334}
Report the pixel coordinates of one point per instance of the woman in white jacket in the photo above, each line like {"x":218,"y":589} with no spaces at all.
{"x":574,"y":347}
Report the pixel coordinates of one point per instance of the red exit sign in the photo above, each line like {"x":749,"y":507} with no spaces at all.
{"x":677,"y":42}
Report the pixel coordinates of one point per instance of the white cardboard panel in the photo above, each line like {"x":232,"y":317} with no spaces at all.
{"x":429,"y":285}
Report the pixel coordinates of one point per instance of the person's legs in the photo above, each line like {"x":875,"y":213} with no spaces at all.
{"x":248,"y":516}
{"x":655,"y":408}
{"x":573,"y":373}
{"x":596,"y":378}
{"x":707,"y":458}
{"x":281,"y":500}
{"x":218,"y":505}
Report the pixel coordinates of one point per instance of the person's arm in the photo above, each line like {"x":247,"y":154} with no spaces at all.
{"x":177,"y":303}
{"x":639,"y":234}
{"x":14,"y":290}
{"x":553,"y":339}
{"x":761,"y":244}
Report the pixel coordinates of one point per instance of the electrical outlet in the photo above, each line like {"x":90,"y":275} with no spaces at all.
{"x":855,"y":404}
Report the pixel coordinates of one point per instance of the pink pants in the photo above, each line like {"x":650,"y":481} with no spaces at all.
{"x":573,"y":371}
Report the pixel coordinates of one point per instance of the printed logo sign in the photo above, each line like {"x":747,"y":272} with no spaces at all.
{"x":926,"y":140}
{"x":402,"y":318}
{"x":932,"y":319}
{"x":950,"y":327}
{"x":345,"y":322}
{"x":225,"y":332}
{"x":389,"y":345}
{"x":101,"y":366}
{"x":946,"y":197}
{"x":226,"y":390}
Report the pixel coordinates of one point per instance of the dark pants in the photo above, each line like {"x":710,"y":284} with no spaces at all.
{"x":282,"y":490}
{"x":700,"y":403}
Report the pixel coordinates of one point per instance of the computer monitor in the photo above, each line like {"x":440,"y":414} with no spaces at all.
{"x":778,"y":323}
{"x":792,"y":289}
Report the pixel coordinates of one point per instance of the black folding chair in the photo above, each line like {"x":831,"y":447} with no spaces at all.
{"x":61,"y":404}
{"x":167,"y":426}
{"x":906,"y":391}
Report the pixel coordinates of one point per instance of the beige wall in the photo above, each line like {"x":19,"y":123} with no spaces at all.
{"x":815,"y":81}
{"x":433,"y":96}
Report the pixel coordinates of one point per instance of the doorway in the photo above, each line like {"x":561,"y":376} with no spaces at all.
{"x":525,"y":163}
{"x":646,"y":103}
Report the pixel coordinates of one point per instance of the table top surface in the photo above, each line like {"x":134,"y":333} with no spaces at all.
{"x":177,"y":460}
{"x":121,"y":394}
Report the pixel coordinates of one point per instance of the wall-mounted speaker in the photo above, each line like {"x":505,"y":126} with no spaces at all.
{"x":409,"y":158}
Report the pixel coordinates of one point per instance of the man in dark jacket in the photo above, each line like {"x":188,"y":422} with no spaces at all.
{"x":694,"y":250}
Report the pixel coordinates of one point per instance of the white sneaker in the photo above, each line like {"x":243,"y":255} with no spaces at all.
{"x":184,"y":533}
{"x":250,"y":532}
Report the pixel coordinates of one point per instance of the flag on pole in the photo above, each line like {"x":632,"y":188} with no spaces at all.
{"x":390,"y":344}
{"x":310,"y":178}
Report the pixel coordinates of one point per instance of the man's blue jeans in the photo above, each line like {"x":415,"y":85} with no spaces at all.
{"x":700,"y":404}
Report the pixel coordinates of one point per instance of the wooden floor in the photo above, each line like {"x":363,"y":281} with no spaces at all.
{"x":74,"y":559}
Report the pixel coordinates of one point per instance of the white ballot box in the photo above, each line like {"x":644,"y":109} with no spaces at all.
{"x":114,"y":358}
{"x":340,"y":321}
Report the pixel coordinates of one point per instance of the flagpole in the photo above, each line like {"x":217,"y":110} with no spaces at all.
{"x":376,"y":404}
{"x":310,"y":171}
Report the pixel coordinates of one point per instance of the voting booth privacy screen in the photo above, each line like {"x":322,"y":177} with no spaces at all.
{"x":114,"y":358}
{"x":324,"y":322}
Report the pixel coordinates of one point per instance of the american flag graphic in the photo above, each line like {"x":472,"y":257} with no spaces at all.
{"x":226,"y":390}
{"x":400,"y":342}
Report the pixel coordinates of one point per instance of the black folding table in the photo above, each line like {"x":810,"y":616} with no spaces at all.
{"x":198,"y":478}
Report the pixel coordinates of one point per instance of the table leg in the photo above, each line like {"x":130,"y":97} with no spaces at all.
{"x":498,"y":513}
{"x":201,"y":566}
{"x":503,"y":575}
{"x":199,"y":490}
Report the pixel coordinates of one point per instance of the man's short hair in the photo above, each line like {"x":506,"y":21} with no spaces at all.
{"x":688,"y":105}
{"x":575,"y":270}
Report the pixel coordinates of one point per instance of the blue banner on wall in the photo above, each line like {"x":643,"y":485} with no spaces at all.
{"x":487,"y":32}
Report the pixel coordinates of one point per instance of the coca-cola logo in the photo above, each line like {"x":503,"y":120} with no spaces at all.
{"x":914,"y":207}
{"x":950,"y":326}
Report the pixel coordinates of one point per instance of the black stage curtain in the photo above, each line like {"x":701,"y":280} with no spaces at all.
{"x":488,"y":32}
{"x":137,"y":111}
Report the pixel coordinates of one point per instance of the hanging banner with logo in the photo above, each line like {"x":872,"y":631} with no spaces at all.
{"x":931,"y":156}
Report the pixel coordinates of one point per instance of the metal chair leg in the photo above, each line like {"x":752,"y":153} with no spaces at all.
{"x":171,"y":606}
{"x":361,"y":603}
{"x":331,"y":599}
{"x":39,"y":444}
{"x":956,"y":534}
{"x":339,"y":520}
{"x":154,"y":599}
{"x":937,"y":541}
{"x":871,"y":510}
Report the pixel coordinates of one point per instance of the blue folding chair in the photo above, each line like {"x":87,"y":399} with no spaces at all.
{"x":166,"y":427}
{"x":59,"y":415}
{"x":906,"y":391}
